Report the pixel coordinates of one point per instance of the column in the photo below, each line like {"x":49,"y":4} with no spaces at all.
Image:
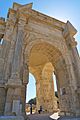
{"x":39,"y":88}
{"x":15,"y":75}
{"x":9,"y":40}
{"x":14,"y":99}
{"x":16,"y":65}
{"x":50,"y":101}
{"x":2,"y":32}
{"x":4,"y":53}
{"x":68,"y":34}
{"x":23,"y":99}
{"x":9,"y":100}
{"x":25,"y":82}
{"x":66,"y":89}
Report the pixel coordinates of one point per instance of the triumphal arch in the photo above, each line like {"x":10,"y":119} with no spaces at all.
{"x":36,"y":43}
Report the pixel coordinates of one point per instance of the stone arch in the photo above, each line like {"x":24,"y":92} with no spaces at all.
{"x":63,"y":64}
{"x":30,"y":32}
{"x":61,"y":50}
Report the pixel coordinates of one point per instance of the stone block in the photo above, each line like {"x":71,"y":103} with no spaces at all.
{"x":16,"y":106}
{"x":68,"y":114}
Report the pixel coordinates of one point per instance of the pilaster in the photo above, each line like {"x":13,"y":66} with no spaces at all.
{"x":68,"y":34}
{"x":16,"y":85}
{"x":16,"y":65}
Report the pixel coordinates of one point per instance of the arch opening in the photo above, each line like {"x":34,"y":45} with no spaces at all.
{"x":1,"y":41}
{"x":31,"y":94}
{"x":42,"y":54}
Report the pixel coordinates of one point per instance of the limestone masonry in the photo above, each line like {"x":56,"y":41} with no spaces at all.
{"x":36,"y":43}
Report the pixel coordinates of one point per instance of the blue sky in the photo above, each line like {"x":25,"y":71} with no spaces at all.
{"x":60,"y":9}
{"x":31,"y":88}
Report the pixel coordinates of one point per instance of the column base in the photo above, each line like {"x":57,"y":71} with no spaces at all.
{"x":78,"y":113}
{"x":13,"y":100}
{"x":14,"y":82}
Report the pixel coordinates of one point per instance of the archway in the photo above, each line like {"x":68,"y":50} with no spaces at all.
{"x":40,"y":54}
{"x":31,"y":88}
{"x":31,"y":41}
{"x":31,"y":95}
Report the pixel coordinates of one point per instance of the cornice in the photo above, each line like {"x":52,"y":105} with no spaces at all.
{"x":47,"y":18}
{"x":2,"y":22}
{"x":40,"y":17}
{"x":69,"y":30}
{"x":37,"y":16}
{"x":27,"y":12}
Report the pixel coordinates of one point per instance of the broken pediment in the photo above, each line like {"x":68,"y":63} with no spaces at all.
{"x":69,"y":29}
{"x":17,"y":6}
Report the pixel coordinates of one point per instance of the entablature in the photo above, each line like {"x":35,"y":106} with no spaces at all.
{"x":26,"y":10}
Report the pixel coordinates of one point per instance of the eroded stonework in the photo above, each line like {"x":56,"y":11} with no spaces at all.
{"x":36,"y":43}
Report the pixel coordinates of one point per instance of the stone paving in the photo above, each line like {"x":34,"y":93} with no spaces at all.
{"x":39,"y":117}
{"x":46,"y":117}
{"x":70,"y":118}
{"x":36,"y":117}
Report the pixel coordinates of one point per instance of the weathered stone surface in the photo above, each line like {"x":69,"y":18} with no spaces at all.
{"x":47,"y":117}
{"x":36,"y":43}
